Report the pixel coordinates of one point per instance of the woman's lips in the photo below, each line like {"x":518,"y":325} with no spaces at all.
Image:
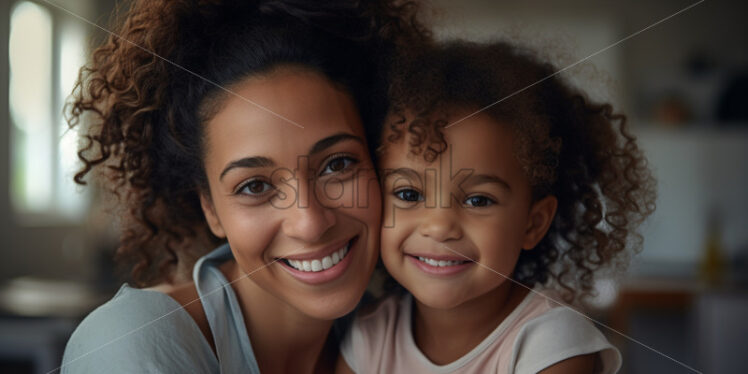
{"x":440,"y":265}
{"x":318,"y":254}
{"x":326,"y":266}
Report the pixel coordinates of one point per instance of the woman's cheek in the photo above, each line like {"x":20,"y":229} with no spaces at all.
{"x":250,"y":232}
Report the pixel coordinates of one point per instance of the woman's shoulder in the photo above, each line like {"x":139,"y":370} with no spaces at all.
{"x":134,"y":326}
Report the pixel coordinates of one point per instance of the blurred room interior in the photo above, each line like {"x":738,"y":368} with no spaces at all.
{"x":683,"y":83}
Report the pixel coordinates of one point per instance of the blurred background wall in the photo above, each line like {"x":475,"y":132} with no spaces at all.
{"x":682,"y":84}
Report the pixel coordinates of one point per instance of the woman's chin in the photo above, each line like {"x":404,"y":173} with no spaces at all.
{"x":333,"y":302}
{"x":332,"y":307}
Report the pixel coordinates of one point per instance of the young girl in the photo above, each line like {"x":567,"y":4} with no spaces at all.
{"x":498,"y":177}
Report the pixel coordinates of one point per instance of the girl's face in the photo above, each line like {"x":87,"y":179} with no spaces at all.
{"x":300,"y":207}
{"x":473,"y":202}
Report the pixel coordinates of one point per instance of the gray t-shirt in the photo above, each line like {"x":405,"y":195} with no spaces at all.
{"x":140,"y":331}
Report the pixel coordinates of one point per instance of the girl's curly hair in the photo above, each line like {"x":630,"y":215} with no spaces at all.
{"x":569,"y":146}
{"x":142,"y":100}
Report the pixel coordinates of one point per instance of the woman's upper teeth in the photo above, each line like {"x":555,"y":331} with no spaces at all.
{"x":439,"y":263}
{"x":323,"y":263}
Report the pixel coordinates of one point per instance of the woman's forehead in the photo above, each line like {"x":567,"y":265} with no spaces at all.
{"x":282,"y":114}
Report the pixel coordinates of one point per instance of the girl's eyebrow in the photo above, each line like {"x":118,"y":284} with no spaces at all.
{"x":405,"y":172}
{"x":477,"y":179}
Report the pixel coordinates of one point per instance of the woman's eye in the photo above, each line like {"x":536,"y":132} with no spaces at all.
{"x":479,"y":201}
{"x":338,"y":164}
{"x":408,"y":195}
{"x":255,"y":187}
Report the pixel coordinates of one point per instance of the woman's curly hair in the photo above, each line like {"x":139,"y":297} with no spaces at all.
{"x":142,"y":100}
{"x":568,"y":145}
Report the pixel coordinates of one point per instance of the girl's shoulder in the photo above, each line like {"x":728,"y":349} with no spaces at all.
{"x":550,"y":332}
{"x":377,"y":321}
{"x":381,"y":308}
{"x":374,"y":328}
{"x":138,"y":331}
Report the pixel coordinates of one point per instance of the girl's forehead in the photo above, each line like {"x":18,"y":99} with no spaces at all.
{"x":475,"y":136}
{"x":478,"y":143}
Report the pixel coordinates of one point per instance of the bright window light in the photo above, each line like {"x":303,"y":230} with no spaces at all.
{"x":43,"y":151}
{"x":71,"y":200}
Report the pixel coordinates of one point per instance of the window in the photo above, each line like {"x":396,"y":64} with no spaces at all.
{"x":46,"y":49}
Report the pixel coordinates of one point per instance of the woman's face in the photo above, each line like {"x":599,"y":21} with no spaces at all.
{"x":294,"y":191}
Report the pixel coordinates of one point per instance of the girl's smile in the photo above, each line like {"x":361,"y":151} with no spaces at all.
{"x":440,"y":261}
{"x":440,"y":265}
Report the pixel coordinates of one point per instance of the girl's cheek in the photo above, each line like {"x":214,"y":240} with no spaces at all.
{"x":394,"y":232}
{"x":388,"y":213}
{"x":388,"y":244}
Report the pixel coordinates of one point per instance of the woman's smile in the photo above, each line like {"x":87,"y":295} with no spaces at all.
{"x":324,"y":265}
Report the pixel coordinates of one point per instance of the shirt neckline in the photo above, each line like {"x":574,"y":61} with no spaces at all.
{"x":208,"y":266}
{"x":405,"y":325}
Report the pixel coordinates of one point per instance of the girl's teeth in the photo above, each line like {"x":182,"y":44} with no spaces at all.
{"x":440,"y":263}
{"x":321,"y":264}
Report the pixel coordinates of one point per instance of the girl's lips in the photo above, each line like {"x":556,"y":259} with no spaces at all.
{"x":449,"y":269}
{"x":323,"y":276}
{"x":439,"y":257}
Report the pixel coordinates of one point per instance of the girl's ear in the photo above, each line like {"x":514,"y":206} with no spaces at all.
{"x":539,"y":221}
{"x":210,"y":215}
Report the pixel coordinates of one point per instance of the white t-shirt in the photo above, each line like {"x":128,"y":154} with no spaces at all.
{"x":537,"y":334}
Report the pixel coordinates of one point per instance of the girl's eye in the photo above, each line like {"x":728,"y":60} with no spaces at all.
{"x":255,"y":188}
{"x":479,"y":201}
{"x":408,"y":195}
{"x":338,"y":164}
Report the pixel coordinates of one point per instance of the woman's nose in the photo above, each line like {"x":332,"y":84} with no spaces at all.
{"x":307,"y":220}
{"x":440,"y":224}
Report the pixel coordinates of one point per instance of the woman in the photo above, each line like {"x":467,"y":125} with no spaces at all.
{"x":244,"y":126}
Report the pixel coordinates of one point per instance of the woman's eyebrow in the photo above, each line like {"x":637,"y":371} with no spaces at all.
{"x":248,"y":162}
{"x":262,"y":162}
{"x":331,"y":140}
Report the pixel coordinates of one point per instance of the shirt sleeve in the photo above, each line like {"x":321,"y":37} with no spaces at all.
{"x":138,"y":332}
{"x":559,"y":334}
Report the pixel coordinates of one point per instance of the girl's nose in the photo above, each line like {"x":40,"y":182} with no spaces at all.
{"x":440,"y":224}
